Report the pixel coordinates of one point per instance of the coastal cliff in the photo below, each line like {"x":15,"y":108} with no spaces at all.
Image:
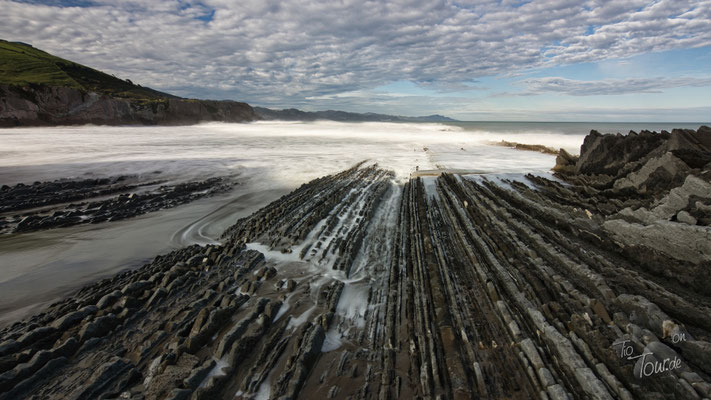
{"x":51,"y":105}
{"x":39,"y":89}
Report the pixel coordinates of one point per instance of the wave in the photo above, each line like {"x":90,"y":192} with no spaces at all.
{"x":287,"y":153}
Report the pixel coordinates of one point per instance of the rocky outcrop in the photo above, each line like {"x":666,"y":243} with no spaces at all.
{"x":608,"y":154}
{"x":565,"y":163}
{"x":645,"y":161}
{"x":688,"y":139}
{"x":528,"y":147}
{"x":657,"y":174}
{"x":39,"y":105}
{"x":64,"y":202}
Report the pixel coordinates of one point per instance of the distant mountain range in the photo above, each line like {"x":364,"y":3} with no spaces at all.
{"x":38,"y":88}
{"x":292,"y":114}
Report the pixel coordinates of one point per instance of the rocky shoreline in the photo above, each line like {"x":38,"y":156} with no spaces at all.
{"x":455,"y":286}
{"x":527,"y":147}
{"x":65,"y":202}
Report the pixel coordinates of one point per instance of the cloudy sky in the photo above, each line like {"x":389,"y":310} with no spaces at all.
{"x":589,"y":60}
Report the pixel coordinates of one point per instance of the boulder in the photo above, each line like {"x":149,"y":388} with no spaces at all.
{"x":685,"y":217}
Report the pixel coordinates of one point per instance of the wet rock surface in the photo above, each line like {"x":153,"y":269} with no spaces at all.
{"x":527,"y":147}
{"x":62,"y":203}
{"x":354,"y":286}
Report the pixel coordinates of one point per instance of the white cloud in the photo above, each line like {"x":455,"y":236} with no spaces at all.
{"x":282,"y":52}
{"x":607,"y":86}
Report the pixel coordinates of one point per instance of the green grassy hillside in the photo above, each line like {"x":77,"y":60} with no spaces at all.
{"x":22,"y":65}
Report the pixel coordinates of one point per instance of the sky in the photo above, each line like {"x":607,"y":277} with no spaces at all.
{"x":558,"y":60}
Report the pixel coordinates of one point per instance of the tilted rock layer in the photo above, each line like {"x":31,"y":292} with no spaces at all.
{"x":355,"y":287}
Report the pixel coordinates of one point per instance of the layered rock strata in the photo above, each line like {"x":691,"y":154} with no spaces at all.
{"x":63,"y":203}
{"x":356,"y":287}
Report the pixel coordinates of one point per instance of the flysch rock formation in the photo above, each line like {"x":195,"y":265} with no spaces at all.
{"x":451,"y":287}
{"x":68,"y":202}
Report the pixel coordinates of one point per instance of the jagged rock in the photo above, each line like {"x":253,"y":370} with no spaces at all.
{"x":693,"y":158}
{"x":657,"y":174}
{"x":688,"y":139}
{"x":607,"y":154}
{"x":565,"y":162}
{"x":679,"y":197}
